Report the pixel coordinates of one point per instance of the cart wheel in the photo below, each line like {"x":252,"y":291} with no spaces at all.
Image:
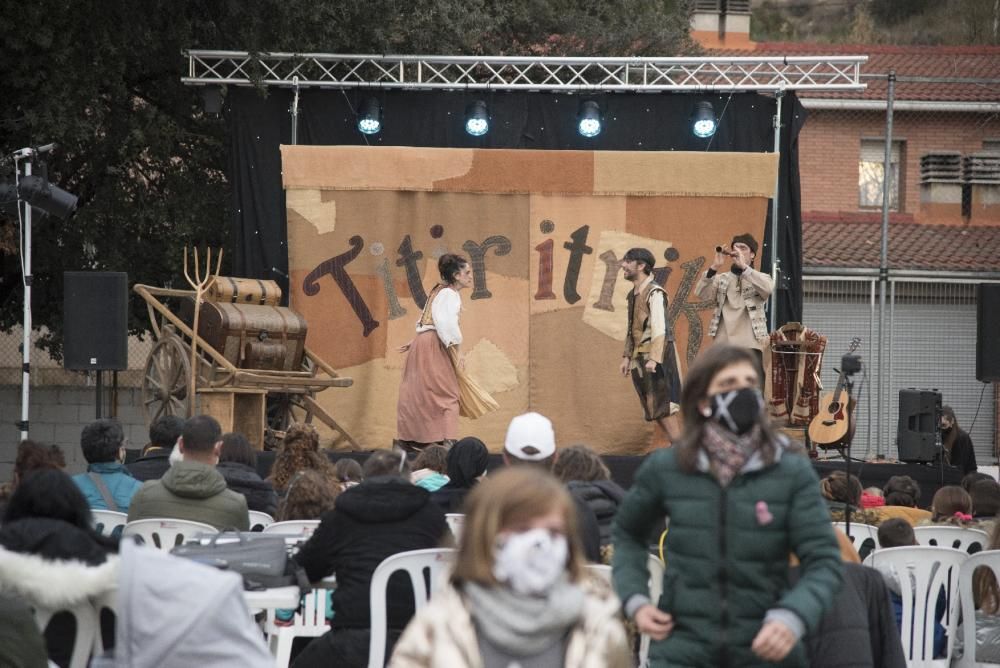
{"x":165,"y":382}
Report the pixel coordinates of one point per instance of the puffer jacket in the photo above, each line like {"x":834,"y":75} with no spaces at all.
{"x":442,"y":635}
{"x":191,"y":491}
{"x":727,"y":555}
{"x":119,"y":481}
{"x":603,"y":497}
{"x":244,"y":479}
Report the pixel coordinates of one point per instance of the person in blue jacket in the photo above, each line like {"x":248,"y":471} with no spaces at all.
{"x":107,"y":484}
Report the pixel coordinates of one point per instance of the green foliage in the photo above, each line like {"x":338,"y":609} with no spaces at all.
{"x":102,"y":78}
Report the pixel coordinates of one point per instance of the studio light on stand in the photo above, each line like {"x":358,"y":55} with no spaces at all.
{"x":36,"y":193}
{"x":704,"y":122}
{"x":477,"y":119}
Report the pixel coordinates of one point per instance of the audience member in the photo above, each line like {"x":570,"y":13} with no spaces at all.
{"x":299,"y":451}
{"x":51,"y":555}
{"x":347,"y":473}
{"x":467,"y":460}
{"x":842,"y":495}
{"x":430,"y":468}
{"x":901,"y":496}
{"x":986,"y":595}
{"x":519,"y":594}
{"x":238,"y":465}
{"x":531,"y":441}
{"x":969,"y":479}
{"x":382,"y":516}
{"x":589,"y":480}
{"x":872,"y":497}
{"x":985,"y":501}
{"x":31,"y":456}
{"x":107,"y":484}
{"x":309,"y":495}
{"x":155,"y":459}
{"x":956,"y":443}
{"x":952,"y":505}
{"x":193,"y":489}
{"x":740,"y":496}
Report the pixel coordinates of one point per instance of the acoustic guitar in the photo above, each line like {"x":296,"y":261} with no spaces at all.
{"x":833,"y":425}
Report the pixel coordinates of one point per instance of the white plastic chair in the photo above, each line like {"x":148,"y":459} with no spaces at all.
{"x":106,"y":521}
{"x":989,"y":559}
{"x":309,"y":623}
{"x":302,"y":528}
{"x":923,"y":573}
{"x":863,"y":536}
{"x":165,"y":534}
{"x":966,"y":539}
{"x":656,"y":570}
{"x":260,"y":520}
{"x":414,"y":562}
{"x":87,"y":640}
{"x":455,"y":523}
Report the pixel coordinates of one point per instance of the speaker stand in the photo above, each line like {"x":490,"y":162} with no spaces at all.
{"x":849,"y":387}
{"x":100,"y":393}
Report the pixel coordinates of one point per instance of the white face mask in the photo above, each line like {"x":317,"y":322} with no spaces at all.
{"x":530,"y":562}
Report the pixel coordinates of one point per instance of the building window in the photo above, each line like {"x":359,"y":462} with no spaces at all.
{"x":871,"y":173}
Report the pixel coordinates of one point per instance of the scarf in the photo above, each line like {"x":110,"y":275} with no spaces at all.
{"x":525,"y":625}
{"x":727,"y":452}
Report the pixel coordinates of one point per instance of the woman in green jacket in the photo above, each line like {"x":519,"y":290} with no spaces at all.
{"x":740,"y":499}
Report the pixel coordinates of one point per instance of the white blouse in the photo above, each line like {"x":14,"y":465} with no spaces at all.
{"x":445,"y":309}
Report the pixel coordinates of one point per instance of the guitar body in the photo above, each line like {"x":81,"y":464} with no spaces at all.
{"x":833,"y":426}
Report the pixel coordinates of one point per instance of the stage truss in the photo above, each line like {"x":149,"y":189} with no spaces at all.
{"x":723,"y":74}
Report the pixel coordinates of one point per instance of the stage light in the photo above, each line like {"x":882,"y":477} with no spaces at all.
{"x":704,"y":120}
{"x":37,"y":192}
{"x":370,"y":116}
{"x":588,"y":119}
{"x":477,"y":119}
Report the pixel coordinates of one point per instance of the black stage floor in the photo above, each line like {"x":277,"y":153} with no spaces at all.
{"x":623,"y":468}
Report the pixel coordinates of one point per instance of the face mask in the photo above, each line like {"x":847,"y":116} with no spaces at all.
{"x":737,"y":410}
{"x":530,"y":562}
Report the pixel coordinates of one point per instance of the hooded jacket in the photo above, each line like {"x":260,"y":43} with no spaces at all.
{"x":376,"y":519}
{"x":152,"y":465}
{"x":120,"y":483}
{"x":191,"y":491}
{"x":603,"y":497}
{"x":244,"y":479}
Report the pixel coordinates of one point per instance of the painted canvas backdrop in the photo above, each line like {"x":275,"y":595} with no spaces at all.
{"x":544,"y":323}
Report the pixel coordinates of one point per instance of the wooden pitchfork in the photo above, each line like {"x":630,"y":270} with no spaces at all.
{"x":201,"y":284}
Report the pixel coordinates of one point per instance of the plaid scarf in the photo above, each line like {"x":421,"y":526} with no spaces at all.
{"x":727,"y":452}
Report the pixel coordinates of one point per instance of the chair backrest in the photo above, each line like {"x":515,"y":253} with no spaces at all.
{"x":455,"y":523}
{"x":165,"y":534}
{"x":926,"y":576}
{"x":106,"y":521}
{"x":990,"y":560}
{"x":966,"y":539}
{"x":87,"y":640}
{"x":302,"y":528}
{"x":864,"y":537}
{"x":415,"y":563}
{"x":259,"y":520}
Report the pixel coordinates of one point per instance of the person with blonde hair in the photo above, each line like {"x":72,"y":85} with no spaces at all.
{"x":519,"y":593}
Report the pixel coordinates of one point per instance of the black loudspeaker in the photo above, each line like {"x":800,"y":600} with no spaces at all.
{"x":988,"y":332}
{"x":95,"y":320}
{"x":918,"y":437}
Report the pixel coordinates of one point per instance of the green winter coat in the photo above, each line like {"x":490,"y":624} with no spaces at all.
{"x":191,"y":491}
{"x":727,"y":554}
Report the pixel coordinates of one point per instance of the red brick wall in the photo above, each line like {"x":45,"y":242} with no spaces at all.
{"x":830,"y":147}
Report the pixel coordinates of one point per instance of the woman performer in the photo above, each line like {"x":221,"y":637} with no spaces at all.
{"x":428,"y":407}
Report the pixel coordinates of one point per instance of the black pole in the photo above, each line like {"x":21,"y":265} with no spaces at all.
{"x":99,"y":388}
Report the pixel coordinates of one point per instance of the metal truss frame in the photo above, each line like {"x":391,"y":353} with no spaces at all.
{"x":723,"y":74}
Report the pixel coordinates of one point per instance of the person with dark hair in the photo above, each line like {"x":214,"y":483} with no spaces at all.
{"x":589,"y":480}
{"x":428,"y":406}
{"x":380,"y":517}
{"x":31,"y":456}
{"x":51,"y":555}
{"x":952,"y":505}
{"x":107,"y":484}
{"x":970,"y":479}
{"x":155,"y":459}
{"x":238,"y":465}
{"x":299,"y":451}
{"x":467,"y":462}
{"x":842,"y":494}
{"x":347,"y":473}
{"x":901,"y":496}
{"x":896,"y":532}
{"x":430,"y":468}
{"x":739,"y":296}
{"x":309,"y":495}
{"x":957,"y":445}
{"x":649,"y":342}
{"x":193,"y":489}
{"x":740,"y":497}
{"x":985,"y":501}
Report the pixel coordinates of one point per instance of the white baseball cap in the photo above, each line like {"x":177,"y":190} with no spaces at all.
{"x":531,"y":431}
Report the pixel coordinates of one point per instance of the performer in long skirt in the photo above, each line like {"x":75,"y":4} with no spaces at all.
{"x":428,"y":407}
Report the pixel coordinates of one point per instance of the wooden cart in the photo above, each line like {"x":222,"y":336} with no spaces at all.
{"x":233,"y":395}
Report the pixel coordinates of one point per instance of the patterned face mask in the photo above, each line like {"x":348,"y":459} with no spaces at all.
{"x":531,"y":562}
{"x":738,"y":410}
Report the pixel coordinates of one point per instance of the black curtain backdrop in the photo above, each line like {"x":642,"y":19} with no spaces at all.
{"x":632,"y":122}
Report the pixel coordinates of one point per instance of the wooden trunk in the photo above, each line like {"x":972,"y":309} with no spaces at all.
{"x":245,"y":291}
{"x":251,"y":336}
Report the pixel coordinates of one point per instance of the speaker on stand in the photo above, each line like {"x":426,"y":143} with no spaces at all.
{"x":95,"y":324}
{"x":988,"y":332}
{"x":918,"y":436}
